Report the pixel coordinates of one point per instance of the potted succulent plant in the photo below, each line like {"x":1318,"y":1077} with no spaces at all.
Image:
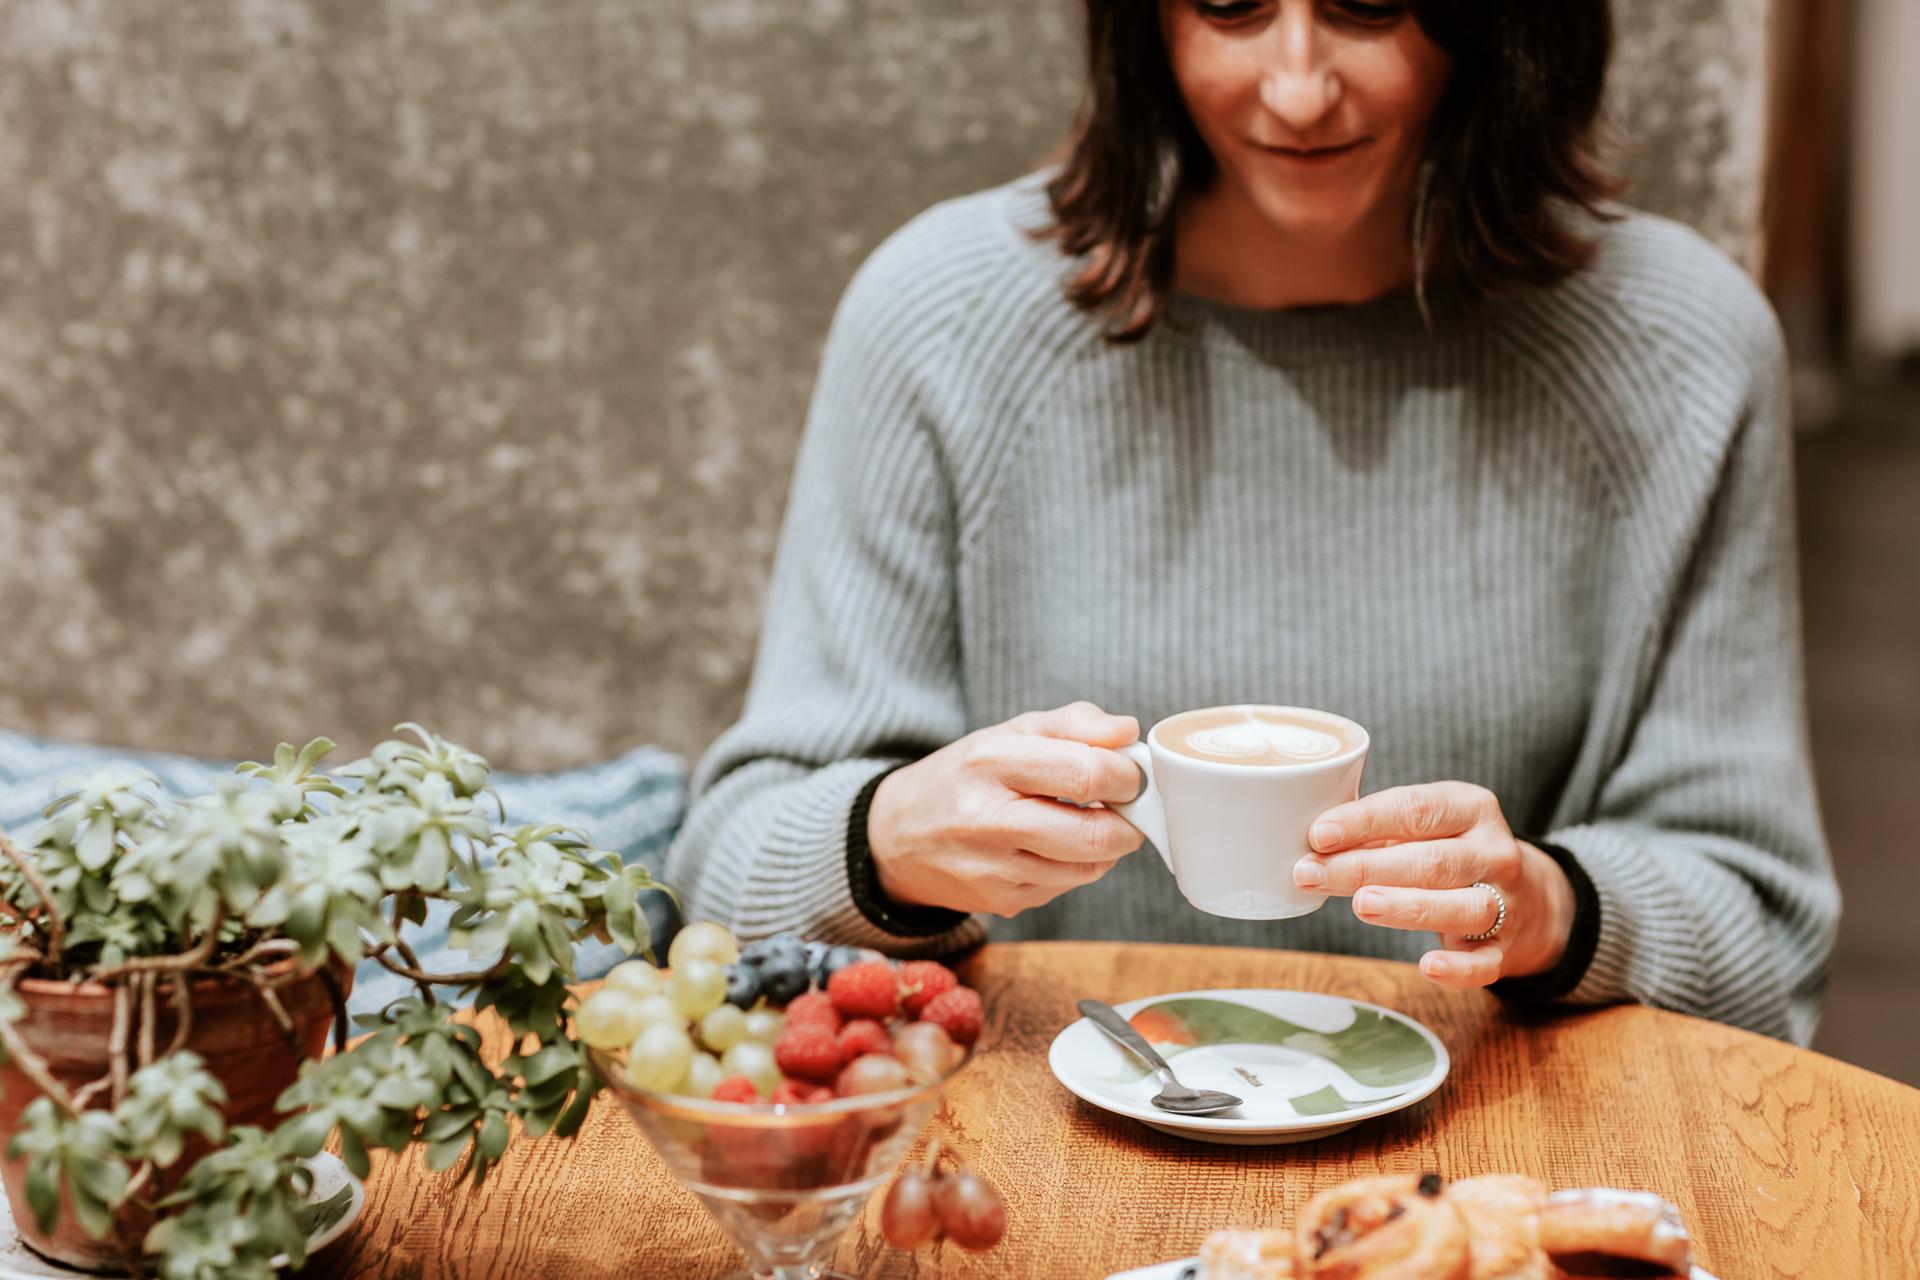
{"x":169,"y":972}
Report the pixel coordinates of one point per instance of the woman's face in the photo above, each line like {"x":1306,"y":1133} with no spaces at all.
{"x":1316,"y":110}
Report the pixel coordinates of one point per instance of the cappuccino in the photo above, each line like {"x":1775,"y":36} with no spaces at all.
{"x":1258,"y":736}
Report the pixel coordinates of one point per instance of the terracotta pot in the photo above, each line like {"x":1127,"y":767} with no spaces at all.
{"x":70,"y":1026}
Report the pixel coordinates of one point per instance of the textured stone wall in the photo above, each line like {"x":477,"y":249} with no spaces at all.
{"x":445,"y":359}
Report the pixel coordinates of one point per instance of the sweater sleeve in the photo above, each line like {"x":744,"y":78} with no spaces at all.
{"x":1716,"y":895}
{"x":858,"y":663}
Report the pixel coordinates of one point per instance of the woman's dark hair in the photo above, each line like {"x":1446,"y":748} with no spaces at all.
{"x":1511,"y":139}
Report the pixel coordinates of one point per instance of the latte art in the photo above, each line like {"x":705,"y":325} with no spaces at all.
{"x":1259,"y":735}
{"x":1258,"y":738}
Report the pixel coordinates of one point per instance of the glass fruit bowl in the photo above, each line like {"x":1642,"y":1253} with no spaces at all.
{"x":784,"y":1182}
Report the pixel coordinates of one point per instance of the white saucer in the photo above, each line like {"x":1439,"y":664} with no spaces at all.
{"x":1309,"y":1065}
{"x":18,"y":1262}
{"x":1172,"y":1270}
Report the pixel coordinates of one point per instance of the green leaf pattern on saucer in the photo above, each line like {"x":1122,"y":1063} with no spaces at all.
{"x":1376,"y":1050}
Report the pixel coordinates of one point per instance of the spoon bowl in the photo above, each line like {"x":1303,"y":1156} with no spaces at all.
{"x":1173,"y":1095}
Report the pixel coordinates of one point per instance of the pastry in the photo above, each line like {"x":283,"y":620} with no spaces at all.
{"x":1246,"y":1255}
{"x":1390,"y":1228}
{"x":1495,"y":1227}
{"x":1502,"y":1214}
{"x":1599,"y":1231}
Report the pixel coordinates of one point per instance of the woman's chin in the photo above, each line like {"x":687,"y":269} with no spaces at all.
{"x":1311,"y":215}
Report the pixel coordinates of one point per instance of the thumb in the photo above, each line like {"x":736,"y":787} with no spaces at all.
{"x":1084,"y":722}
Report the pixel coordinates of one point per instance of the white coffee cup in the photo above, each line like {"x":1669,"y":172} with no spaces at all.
{"x":1231,"y":833}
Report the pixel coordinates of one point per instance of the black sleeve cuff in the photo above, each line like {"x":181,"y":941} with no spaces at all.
{"x":1559,"y":981}
{"x":901,"y":919}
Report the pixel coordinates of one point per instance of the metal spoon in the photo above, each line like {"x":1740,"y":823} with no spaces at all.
{"x":1173,"y":1095}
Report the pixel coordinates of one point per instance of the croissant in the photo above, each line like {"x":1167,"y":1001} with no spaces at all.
{"x":1599,"y":1231}
{"x":1494,"y":1227}
{"x":1245,"y":1255}
{"x":1390,"y":1228}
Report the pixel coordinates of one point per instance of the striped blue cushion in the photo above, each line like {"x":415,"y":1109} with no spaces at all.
{"x":632,"y":803}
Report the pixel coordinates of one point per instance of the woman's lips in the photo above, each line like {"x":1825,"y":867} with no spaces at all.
{"x":1314,"y":155}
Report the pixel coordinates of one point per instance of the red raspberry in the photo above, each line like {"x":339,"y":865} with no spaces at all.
{"x":793,"y":1093}
{"x":808,"y":1050}
{"x":735,"y":1089}
{"x":957,"y":1013}
{"x":863,"y":1035}
{"x":921,"y":981}
{"x":869,"y":989}
{"x":815,"y":1006}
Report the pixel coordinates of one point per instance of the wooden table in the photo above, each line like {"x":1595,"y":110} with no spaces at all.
{"x":1786,"y":1163}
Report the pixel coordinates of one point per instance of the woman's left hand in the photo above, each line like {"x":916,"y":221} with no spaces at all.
{"x":1410,"y":857}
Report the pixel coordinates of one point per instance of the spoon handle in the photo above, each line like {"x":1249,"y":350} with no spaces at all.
{"x":1108,"y":1019}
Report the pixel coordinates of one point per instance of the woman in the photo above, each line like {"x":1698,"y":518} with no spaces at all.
{"x":1316,"y":375}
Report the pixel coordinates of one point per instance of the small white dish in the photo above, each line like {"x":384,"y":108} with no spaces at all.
{"x":1309,"y":1065}
{"x":1172,"y":1270}
{"x":18,"y":1262}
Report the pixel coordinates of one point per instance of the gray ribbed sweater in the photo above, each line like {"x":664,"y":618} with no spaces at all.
{"x":1545,"y":546}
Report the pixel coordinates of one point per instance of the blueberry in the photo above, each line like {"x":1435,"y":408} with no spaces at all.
{"x":743,"y":985}
{"x":839,"y":958}
{"x":782,"y":978}
{"x":783,"y":948}
{"x":816,"y":960}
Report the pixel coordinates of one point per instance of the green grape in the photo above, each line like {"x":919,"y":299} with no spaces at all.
{"x":703,"y":1073}
{"x":755,"y":1061}
{"x":765,"y":1025}
{"x":637,"y":978}
{"x":605,"y":1019}
{"x":703,"y":940}
{"x":655,"y":1011}
{"x":697,"y":987}
{"x":722,"y":1029}
{"x":660,"y":1058}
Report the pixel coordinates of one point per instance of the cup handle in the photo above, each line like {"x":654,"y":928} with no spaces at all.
{"x":1145,"y":811}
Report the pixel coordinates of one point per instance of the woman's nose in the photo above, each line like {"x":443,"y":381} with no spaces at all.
{"x":1300,"y":85}
{"x":1300,"y":99}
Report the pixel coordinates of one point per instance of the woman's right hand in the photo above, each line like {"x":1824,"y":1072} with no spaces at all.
{"x":979,"y":825}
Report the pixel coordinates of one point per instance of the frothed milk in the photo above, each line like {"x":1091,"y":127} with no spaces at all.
{"x":1257,"y":736}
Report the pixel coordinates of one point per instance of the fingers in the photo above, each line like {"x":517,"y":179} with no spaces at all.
{"x":1427,"y":864}
{"x":1464,"y":970}
{"x":1053,"y":768}
{"x":1066,"y":834}
{"x":1451,"y":911}
{"x":1031,"y":871}
{"x":1424,"y":812}
{"x":1080,"y":722}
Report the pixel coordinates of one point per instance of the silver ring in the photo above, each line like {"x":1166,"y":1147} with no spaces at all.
{"x":1499,"y":922}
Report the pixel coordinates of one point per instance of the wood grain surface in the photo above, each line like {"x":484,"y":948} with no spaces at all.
{"x":1785,"y":1162}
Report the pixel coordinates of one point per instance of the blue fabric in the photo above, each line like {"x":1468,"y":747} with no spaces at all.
{"x":632,"y":804}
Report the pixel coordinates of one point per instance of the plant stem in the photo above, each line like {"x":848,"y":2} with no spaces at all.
{"x":268,"y":997}
{"x":332,"y":984}
{"x":15,"y":965}
{"x":451,"y":979}
{"x":86,"y":1093}
{"x":117,"y":1042}
{"x":34,"y":1067}
{"x":271,"y":946}
{"x":190,"y":959}
{"x":406,"y":953}
{"x":56,"y":929}
{"x":183,"y":1014}
{"x":149,"y":1014}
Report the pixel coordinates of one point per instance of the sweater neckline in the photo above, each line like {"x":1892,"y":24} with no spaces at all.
{"x":1389,"y":326}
